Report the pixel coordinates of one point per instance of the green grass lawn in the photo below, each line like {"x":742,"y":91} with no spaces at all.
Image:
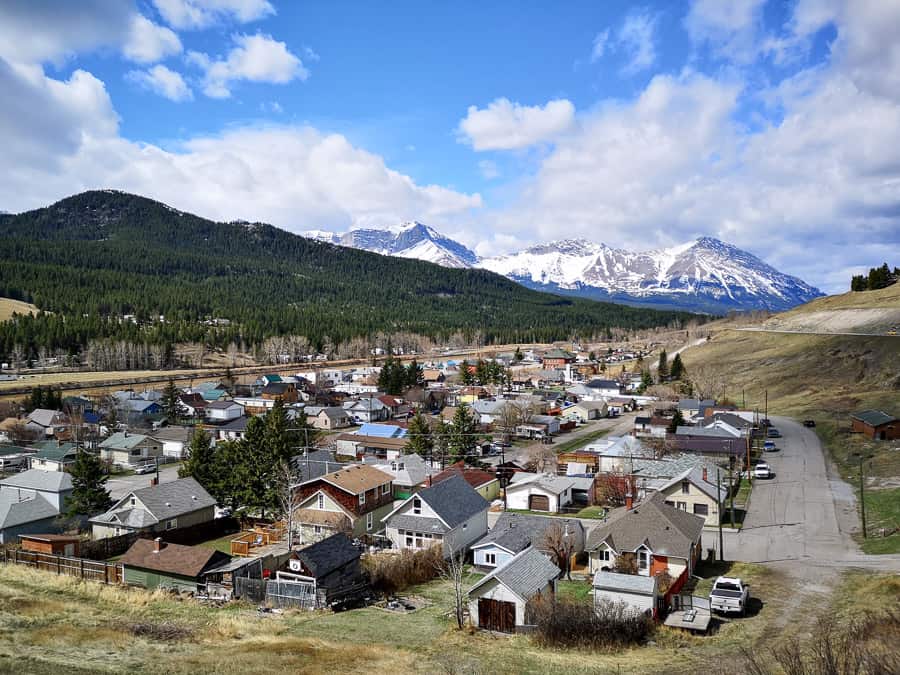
{"x":222,"y":544}
{"x":576,"y":591}
{"x":598,"y":512}
{"x":587,"y":512}
{"x":882,"y":511}
{"x":581,"y":441}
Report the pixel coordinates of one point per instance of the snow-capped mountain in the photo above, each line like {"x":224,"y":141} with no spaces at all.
{"x":408,"y":240}
{"x":704,"y":275}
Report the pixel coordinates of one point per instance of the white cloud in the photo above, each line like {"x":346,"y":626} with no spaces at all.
{"x":204,"y":13}
{"x":61,"y":137}
{"x":637,"y":38}
{"x":36,"y":31}
{"x":600,"y":43}
{"x":271,"y":107}
{"x":505,"y":125}
{"x":254,"y":58}
{"x":147,"y":42}
{"x":162,"y":81}
{"x":730,"y":28}
{"x":488,"y":169}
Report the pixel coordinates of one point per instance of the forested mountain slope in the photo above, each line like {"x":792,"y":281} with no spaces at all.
{"x":94,"y":257}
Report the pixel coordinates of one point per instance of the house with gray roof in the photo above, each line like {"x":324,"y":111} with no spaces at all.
{"x":157,"y":508}
{"x":716,"y":439}
{"x":53,"y":456}
{"x":329,"y":417}
{"x":514,"y":532}
{"x":539,"y":492}
{"x":450,"y":513}
{"x":128,"y":450}
{"x":409,"y":471}
{"x":31,"y":501}
{"x":501,"y":600}
{"x":693,"y":407}
{"x":47,"y":423}
{"x":658,"y":537}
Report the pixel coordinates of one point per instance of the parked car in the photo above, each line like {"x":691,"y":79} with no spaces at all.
{"x":762,"y":470}
{"x":145,"y":468}
{"x":809,"y":423}
{"x":769,"y":446}
{"x":773,"y":433}
{"x":729,"y":595}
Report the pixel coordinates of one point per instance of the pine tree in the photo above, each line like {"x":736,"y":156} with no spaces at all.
{"x":677,"y":371}
{"x":419,"y":439}
{"x":200,"y":463}
{"x":663,"y":367}
{"x":677,"y":421}
{"x":646,"y":381}
{"x":462,"y":440}
{"x":466,"y":375}
{"x":89,"y":493}
{"x":518,"y":356}
{"x":170,"y":403}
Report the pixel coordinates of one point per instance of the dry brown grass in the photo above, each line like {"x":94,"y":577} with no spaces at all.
{"x":7,"y":307}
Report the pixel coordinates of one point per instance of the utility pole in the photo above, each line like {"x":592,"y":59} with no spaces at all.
{"x":862,"y":489}
{"x":719,"y":490}
{"x":731,"y":486}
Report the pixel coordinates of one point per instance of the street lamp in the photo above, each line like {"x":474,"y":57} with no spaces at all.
{"x":862,"y":488}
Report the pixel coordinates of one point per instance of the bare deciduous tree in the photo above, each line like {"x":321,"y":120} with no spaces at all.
{"x":559,"y":541}
{"x":287,"y":497}
{"x":542,"y":458}
{"x":453,"y":569}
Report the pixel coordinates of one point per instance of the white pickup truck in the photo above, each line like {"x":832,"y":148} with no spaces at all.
{"x":729,"y":595}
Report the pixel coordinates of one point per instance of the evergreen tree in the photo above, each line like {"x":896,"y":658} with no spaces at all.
{"x":441,"y":436}
{"x":465,"y":374}
{"x":677,"y":371}
{"x":592,"y":356}
{"x":663,"y":367}
{"x":170,"y":403}
{"x":419,"y":439}
{"x":646,"y":381}
{"x":462,"y":442}
{"x":518,"y":356}
{"x":200,"y":462}
{"x":677,"y":421}
{"x":413,"y":377}
{"x":279,"y":442}
{"x":89,"y":493}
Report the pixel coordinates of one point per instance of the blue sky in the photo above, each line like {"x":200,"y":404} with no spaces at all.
{"x":773,"y":125}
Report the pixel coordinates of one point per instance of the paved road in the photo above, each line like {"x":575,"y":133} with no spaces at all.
{"x":796,"y":515}
{"x":119,"y":486}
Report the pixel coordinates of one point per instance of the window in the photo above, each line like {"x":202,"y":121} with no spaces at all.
{"x":409,"y":539}
{"x":685,"y":487}
{"x":320,"y":502}
{"x":133,"y":501}
{"x":362,"y":498}
{"x":369,"y":521}
{"x":490,"y":558}
{"x":701,"y":509}
{"x":386,"y":488}
{"x":417,"y":506}
{"x":682,"y":506}
{"x":643,"y":558}
{"x":317,"y":529}
{"x":171,"y":524}
{"x":603,"y":554}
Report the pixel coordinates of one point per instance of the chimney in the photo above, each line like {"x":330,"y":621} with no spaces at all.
{"x":158,"y":545}
{"x":704,"y":473}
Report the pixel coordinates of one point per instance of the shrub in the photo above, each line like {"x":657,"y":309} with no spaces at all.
{"x":390,"y":573}
{"x":604,"y":626}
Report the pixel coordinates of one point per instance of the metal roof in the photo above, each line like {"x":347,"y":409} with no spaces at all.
{"x":874,"y":418}
{"x":36,"y":479}
{"x":525,"y":574}
{"x":628,"y":583}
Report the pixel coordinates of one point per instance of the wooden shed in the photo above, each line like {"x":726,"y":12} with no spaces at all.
{"x":53,"y":544}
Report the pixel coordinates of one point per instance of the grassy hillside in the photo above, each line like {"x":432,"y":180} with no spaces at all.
{"x":8,"y":307}
{"x":864,"y":312}
{"x":823,"y":377}
{"x":106,"y":254}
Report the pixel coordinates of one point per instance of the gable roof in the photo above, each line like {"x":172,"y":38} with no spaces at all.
{"x":20,"y":507}
{"x":558,"y":354}
{"x":356,"y":478}
{"x":222,"y":405}
{"x":717,"y":431}
{"x":36,"y":479}
{"x":327,"y":555}
{"x":45,"y":418}
{"x":695,"y":476}
{"x":315,"y":463}
{"x":525,"y":574}
{"x":453,"y":500}
{"x":413,"y":471}
{"x":555,"y":484}
{"x":665,"y":529}
{"x":517,"y":531}
{"x":182,"y":434}
{"x":56,"y":453}
{"x":602,"y":384}
{"x":163,"y":501}
{"x":472,"y":475}
{"x":874,"y":418}
{"x":237,"y":424}
{"x":187,"y":561}
{"x":695,"y":404}
{"x":122,"y":440}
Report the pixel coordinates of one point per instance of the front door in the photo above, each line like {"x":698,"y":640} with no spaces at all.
{"x":497,"y":615}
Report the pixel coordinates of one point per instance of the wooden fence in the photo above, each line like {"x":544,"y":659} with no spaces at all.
{"x":82,"y":568}
{"x":100,"y":549}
